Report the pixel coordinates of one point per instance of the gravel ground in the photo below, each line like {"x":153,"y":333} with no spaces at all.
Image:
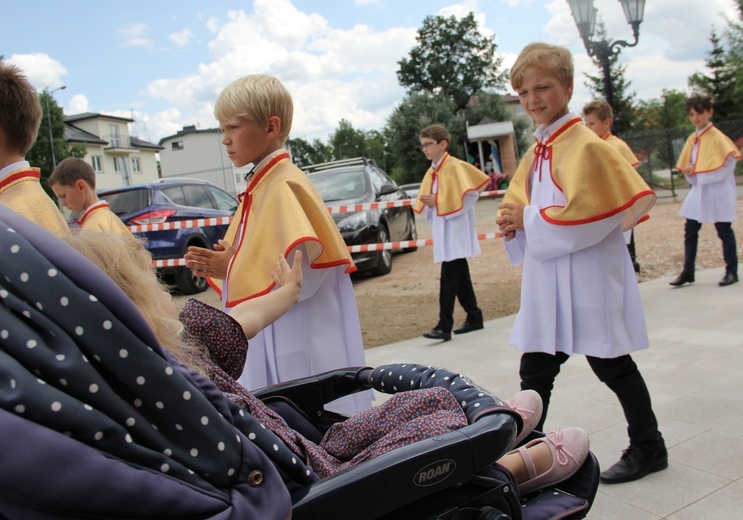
{"x":404,"y":303}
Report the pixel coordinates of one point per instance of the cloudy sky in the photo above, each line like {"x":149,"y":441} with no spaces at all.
{"x":164,"y":62}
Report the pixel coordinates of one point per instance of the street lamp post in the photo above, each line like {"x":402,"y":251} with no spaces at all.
{"x":603,"y":50}
{"x":49,"y":120}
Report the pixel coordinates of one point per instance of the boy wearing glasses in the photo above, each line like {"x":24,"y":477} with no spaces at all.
{"x":447,"y":199}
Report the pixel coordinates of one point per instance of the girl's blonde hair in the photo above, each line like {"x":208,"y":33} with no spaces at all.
{"x":552,"y":59}
{"x":125,"y":260}
{"x":257,"y":97}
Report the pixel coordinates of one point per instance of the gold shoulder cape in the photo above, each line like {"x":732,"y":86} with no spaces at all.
{"x":21,"y":191}
{"x":455,"y":179}
{"x":623,"y":148}
{"x":99,"y":217}
{"x":596,"y":181}
{"x":279,"y":210}
{"x":714,"y":150}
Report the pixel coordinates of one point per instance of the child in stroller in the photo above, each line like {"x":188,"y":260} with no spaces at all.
{"x":423,"y":406}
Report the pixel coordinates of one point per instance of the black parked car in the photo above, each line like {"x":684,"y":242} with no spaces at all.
{"x":170,"y":200}
{"x":357,"y":181}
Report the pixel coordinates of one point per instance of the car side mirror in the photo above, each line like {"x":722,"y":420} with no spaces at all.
{"x":387,"y":189}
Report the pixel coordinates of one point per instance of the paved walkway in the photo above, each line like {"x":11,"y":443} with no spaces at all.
{"x":693,"y":370}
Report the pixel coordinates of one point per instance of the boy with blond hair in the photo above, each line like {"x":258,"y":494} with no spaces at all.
{"x":708,"y":163}
{"x":73,"y":182}
{"x":20,"y":189}
{"x":562,"y":217}
{"x":599,"y":117}
{"x":281,"y":212}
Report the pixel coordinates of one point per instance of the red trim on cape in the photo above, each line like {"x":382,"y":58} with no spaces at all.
{"x":35,"y":172}
{"x":352,"y":268}
{"x":91,"y":209}
{"x":698,"y":139}
{"x":597,"y":217}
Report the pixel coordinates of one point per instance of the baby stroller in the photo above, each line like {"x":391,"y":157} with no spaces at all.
{"x":98,"y":421}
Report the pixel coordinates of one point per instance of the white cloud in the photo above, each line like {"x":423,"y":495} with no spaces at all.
{"x":134,"y":35}
{"x":41,"y":70}
{"x":331,"y":73}
{"x":77,"y":105}
{"x":212,"y":24}
{"x":182,"y":37}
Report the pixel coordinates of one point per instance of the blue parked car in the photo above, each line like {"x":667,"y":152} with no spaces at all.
{"x":170,"y":200}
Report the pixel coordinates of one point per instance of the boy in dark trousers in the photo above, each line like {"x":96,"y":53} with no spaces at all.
{"x":563,"y":217}
{"x":708,"y":162}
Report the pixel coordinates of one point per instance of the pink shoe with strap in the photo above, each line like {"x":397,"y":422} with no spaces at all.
{"x":569,"y":448}
{"x":528,"y":404}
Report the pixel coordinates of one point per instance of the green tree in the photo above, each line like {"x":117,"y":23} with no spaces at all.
{"x":415,"y":112}
{"x":375,"y":146}
{"x":734,"y":58}
{"x":305,"y":153}
{"x":720,"y":83}
{"x":40,"y":154}
{"x":347,"y":142}
{"x":662,"y":113}
{"x":452,"y":59}
{"x":623,"y":100}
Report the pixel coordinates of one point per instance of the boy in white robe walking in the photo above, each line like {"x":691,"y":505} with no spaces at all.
{"x":563,"y":216}
{"x":447,"y":197}
{"x":708,"y":162}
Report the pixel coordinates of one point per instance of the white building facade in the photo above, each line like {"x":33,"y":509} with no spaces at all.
{"x":117,"y":158}
{"x":199,"y":154}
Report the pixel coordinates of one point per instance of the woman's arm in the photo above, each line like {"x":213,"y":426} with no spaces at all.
{"x":256,"y":314}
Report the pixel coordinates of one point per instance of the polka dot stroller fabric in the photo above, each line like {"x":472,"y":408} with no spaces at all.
{"x":92,"y":420}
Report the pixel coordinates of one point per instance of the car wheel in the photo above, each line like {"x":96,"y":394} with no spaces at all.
{"x":187,"y":283}
{"x":412,"y":234}
{"x":384,"y":257}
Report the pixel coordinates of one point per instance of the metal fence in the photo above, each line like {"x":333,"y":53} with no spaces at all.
{"x":658,"y":151}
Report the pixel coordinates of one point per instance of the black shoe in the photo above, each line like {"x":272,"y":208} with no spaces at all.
{"x":728,"y":279}
{"x":437,"y":334}
{"x":467,"y":327}
{"x":682,"y":279}
{"x":636,"y":266}
{"x":635,"y":464}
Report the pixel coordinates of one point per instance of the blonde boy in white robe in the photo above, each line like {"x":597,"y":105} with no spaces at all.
{"x":563,"y":216}
{"x":281,"y":212}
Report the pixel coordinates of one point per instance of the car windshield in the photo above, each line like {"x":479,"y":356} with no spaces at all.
{"x":129,"y":201}
{"x":339,"y":185}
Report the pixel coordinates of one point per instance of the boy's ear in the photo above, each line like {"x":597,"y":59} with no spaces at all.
{"x":274,"y":127}
{"x":81,"y":184}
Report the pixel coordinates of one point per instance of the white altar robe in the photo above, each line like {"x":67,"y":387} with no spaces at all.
{"x":579,"y":293}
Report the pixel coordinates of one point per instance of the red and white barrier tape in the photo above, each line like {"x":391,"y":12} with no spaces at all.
{"x":181,"y":224}
{"x":219,"y":221}
{"x":363,"y":248}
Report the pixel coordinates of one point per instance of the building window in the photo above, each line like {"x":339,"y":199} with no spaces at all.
{"x":97,"y":162}
{"x":114,"y":135}
{"x":177,"y":145}
{"x":136,"y":165}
